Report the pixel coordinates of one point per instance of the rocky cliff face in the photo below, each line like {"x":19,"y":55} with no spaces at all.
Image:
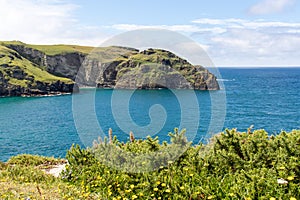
{"x":40,"y":89}
{"x":149,"y":69}
{"x":110,"y":67}
{"x":65,"y":65}
{"x":21,"y":77}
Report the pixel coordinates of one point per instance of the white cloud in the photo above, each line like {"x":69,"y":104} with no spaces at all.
{"x":240,"y":42}
{"x":217,"y":21}
{"x":270,"y":6}
{"x":256,"y":43}
{"x":131,"y":27}
{"x":241,"y":23}
{"x":178,"y":28}
{"x":45,"y":22}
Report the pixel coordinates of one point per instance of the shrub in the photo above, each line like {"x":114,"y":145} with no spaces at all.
{"x":233,"y":165}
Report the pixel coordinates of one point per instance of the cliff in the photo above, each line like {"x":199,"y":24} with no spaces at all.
{"x":52,"y":69}
{"x":148,"y":69}
{"x":21,"y":77}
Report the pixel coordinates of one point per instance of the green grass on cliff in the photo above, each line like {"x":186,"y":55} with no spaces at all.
{"x":11,"y":61}
{"x":53,"y":49}
{"x":112,"y":53}
{"x":61,"y":49}
{"x":102,"y":53}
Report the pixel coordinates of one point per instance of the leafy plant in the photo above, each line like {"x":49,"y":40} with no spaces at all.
{"x":233,"y":165}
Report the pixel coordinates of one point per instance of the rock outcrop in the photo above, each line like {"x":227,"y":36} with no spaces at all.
{"x":32,"y":70}
{"x":149,"y":69}
{"x":64,"y":65}
{"x":21,"y":77}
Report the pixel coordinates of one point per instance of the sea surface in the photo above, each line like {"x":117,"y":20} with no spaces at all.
{"x":267,"y":98}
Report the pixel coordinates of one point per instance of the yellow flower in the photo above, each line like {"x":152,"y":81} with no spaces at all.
{"x":168,"y":190}
{"x":231,"y":194}
{"x":290,"y":178}
{"x":186,"y":169}
{"x":157,"y":182}
{"x":273,"y":163}
{"x":141,"y":194}
{"x":134,"y":197}
{"x":182,"y":187}
{"x":127,"y":191}
{"x":191,"y":175}
{"x":272,"y":198}
{"x":144,"y":184}
{"x":131,"y":186}
{"x":159,"y":198}
{"x":282,"y":168}
{"x":152,"y":195}
{"x":109,"y":193}
{"x":170,"y":162}
{"x":155,"y":189}
{"x":163,"y":185}
{"x":293,"y":198}
{"x":247,"y":198}
{"x":210,"y":197}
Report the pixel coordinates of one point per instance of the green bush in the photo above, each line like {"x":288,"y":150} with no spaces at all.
{"x":27,"y":175}
{"x":232,"y":165}
{"x":33,"y":160}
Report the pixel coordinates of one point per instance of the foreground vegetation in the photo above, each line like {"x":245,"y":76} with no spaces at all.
{"x":232,"y":165}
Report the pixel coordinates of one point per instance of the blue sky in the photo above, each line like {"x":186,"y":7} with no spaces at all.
{"x":232,"y":32}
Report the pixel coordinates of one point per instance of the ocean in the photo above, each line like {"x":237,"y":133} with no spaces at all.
{"x":267,"y":98}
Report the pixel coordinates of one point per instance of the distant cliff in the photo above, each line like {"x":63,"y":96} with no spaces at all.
{"x":52,"y":69}
{"x":19,"y":76}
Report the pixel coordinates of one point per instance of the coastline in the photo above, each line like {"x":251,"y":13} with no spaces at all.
{"x":40,"y":95}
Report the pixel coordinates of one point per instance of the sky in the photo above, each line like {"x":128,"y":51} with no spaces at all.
{"x":234,"y":33}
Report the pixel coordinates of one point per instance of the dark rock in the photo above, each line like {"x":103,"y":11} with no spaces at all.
{"x":18,"y":73}
{"x":4,"y":65}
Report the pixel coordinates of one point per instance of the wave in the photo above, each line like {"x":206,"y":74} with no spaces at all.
{"x":225,"y":80}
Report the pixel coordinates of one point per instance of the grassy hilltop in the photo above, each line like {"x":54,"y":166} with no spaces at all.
{"x":51,"y":49}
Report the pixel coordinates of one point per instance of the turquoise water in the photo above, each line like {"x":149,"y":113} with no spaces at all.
{"x":267,"y":98}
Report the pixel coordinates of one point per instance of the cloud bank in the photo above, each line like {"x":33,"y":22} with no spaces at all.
{"x":46,"y":22}
{"x":270,"y":6}
{"x":240,"y":42}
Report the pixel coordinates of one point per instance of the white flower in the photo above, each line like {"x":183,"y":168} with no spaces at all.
{"x":282,"y":181}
